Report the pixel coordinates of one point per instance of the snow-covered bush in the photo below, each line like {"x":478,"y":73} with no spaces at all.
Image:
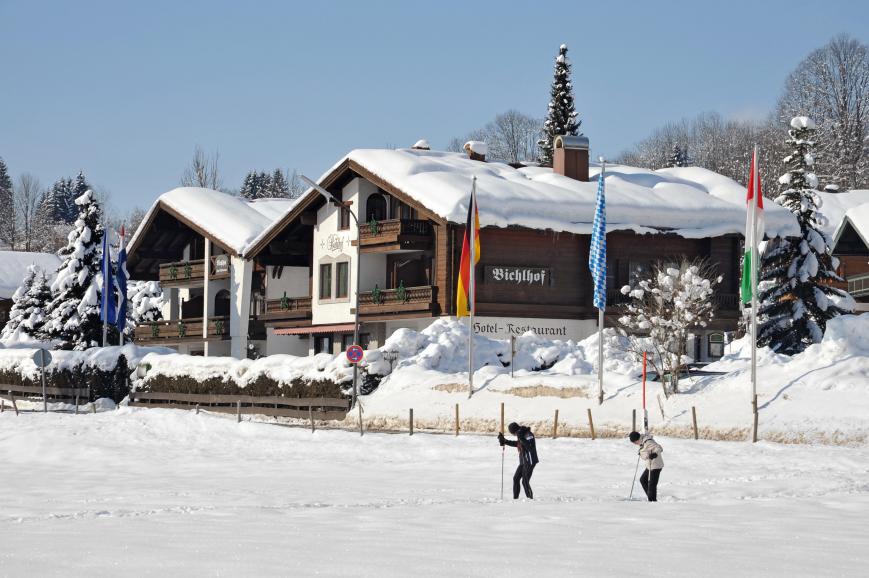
{"x":795,"y":291}
{"x":664,"y":308}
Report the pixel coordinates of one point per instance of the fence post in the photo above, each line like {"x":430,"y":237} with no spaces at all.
{"x":555,"y":426}
{"x":94,"y":407}
{"x":197,"y":409}
{"x":76,"y":404}
{"x":754,"y":429}
{"x":14,"y":405}
{"x":694,"y":419}
{"x":661,"y":406}
{"x":502,"y":417}
{"x":311,"y":416}
{"x":410,"y":421}
{"x":457,"y":419}
{"x":591,"y":424}
{"x":634,"y":420}
{"x":238,"y":410}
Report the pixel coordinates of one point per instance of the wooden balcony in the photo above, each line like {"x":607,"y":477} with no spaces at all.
{"x":192,"y":273}
{"x":858,"y":285}
{"x":398,"y":301}
{"x":395,"y":235}
{"x":287,"y":308}
{"x":181,"y":330}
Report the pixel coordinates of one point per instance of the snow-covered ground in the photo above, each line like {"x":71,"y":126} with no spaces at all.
{"x":171,"y":493}
{"x":819,"y":395}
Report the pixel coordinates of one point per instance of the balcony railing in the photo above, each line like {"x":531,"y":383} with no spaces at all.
{"x":288,"y":308}
{"x":402,"y":299}
{"x":174,"y":330}
{"x":396,"y":233}
{"x":191,"y":273}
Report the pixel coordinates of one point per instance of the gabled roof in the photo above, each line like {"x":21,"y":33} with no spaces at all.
{"x":835,"y":205}
{"x":229,"y":221}
{"x":13,"y":268}
{"x":691,"y":202}
{"x":857,"y":218}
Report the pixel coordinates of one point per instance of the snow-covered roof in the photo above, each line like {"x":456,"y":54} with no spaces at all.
{"x":835,"y":205}
{"x":691,"y":202}
{"x":232,"y":221}
{"x":858,"y":217}
{"x":13,"y":268}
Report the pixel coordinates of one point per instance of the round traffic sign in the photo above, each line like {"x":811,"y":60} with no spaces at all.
{"x":42,"y":358}
{"x":354,"y":354}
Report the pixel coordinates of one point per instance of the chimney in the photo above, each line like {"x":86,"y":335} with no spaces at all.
{"x":476,"y":150}
{"x":570,"y":157}
{"x":421,"y":145}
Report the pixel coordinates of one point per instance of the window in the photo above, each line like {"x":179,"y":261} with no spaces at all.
{"x":326,"y":281}
{"x":323,"y":344}
{"x":342,"y":279}
{"x":346,"y":341}
{"x":344,"y":219}
{"x":375,"y":208}
{"x":716,"y":345}
{"x":221,"y":303}
{"x":639,"y":270}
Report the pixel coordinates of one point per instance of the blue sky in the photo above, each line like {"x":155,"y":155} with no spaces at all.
{"x":125,"y":90}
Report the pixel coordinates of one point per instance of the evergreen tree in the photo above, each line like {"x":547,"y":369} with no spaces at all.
{"x":19,"y":305}
{"x":678,"y":158}
{"x":247,"y":189}
{"x":58,"y":205}
{"x":795,"y":291}
{"x":278,"y":186}
{"x":561,"y":118}
{"x":264,"y":183}
{"x":7,"y":208}
{"x":74,"y":318}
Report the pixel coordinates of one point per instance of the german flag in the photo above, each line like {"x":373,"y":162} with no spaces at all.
{"x":465,"y":300}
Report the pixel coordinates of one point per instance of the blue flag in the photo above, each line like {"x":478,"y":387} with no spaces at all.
{"x":107,"y":305}
{"x":597,"y":251}
{"x":121,"y":283}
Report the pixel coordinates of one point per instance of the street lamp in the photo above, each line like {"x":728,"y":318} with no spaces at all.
{"x":346,"y":204}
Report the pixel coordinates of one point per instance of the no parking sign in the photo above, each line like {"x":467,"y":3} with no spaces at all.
{"x":354,"y":354}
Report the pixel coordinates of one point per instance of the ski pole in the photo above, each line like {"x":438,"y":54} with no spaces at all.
{"x":502,"y":472}
{"x":634,"y":482}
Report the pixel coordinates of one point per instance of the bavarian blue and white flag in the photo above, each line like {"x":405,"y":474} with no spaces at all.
{"x":121,"y":285}
{"x":597,"y":251}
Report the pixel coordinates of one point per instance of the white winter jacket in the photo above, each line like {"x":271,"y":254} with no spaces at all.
{"x":650,"y":446}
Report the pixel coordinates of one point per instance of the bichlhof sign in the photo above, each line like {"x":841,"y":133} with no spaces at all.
{"x":221,"y":264}
{"x":538,"y":276}
{"x":334,"y":243}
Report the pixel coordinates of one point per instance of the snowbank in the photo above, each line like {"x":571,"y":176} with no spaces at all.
{"x":18,"y":358}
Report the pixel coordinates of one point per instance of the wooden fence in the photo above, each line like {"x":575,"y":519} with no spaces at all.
{"x":13,"y":393}
{"x":321,"y":408}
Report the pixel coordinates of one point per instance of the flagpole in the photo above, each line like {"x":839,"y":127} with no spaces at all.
{"x":472,"y":301}
{"x":754,"y":266}
{"x":105,"y":302}
{"x":600,"y":320}
{"x":124,"y":297}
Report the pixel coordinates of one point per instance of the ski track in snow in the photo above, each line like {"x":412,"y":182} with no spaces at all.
{"x":163,"y":492}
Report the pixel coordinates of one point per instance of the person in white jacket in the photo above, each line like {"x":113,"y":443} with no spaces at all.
{"x":650,"y":452}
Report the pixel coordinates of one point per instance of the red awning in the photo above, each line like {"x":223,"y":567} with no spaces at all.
{"x":315,"y":329}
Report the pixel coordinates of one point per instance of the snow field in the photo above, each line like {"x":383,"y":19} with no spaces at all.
{"x":164,"y":492}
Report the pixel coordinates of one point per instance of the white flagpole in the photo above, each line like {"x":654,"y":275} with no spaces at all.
{"x":121,"y":246}
{"x":104,"y":301}
{"x":754,"y":267}
{"x":600,"y":313}
{"x":472,"y":305}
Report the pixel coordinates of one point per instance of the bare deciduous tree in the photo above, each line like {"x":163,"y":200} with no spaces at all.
{"x":28,"y":194}
{"x":203,"y":171}
{"x":832,"y":87}
{"x":511,"y":137}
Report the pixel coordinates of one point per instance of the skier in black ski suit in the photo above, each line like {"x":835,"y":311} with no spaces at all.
{"x":527,"y":447}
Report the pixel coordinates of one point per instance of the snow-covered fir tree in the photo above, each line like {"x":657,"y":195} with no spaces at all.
{"x":278,"y":186}
{"x":146,"y":302}
{"x":58,"y":204}
{"x":75,"y":310}
{"x":795,"y":289}
{"x":256,"y":185}
{"x":561,"y":118}
{"x":19,"y":305}
{"x":663,"y":309}
{"x":29,"y":306}
{"x":678,"y":157}
{"x":7,"y":208}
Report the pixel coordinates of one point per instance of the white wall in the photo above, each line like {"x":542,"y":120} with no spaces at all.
{"x":293,"y":280}
{"x":291,"y":344}
{"x":331,"y":246}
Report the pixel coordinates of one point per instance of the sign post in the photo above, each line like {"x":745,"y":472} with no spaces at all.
{"x":42,"y":358}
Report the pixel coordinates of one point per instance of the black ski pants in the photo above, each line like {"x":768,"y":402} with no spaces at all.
{"x":649,"y":481}
{"x":523,"y":474}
